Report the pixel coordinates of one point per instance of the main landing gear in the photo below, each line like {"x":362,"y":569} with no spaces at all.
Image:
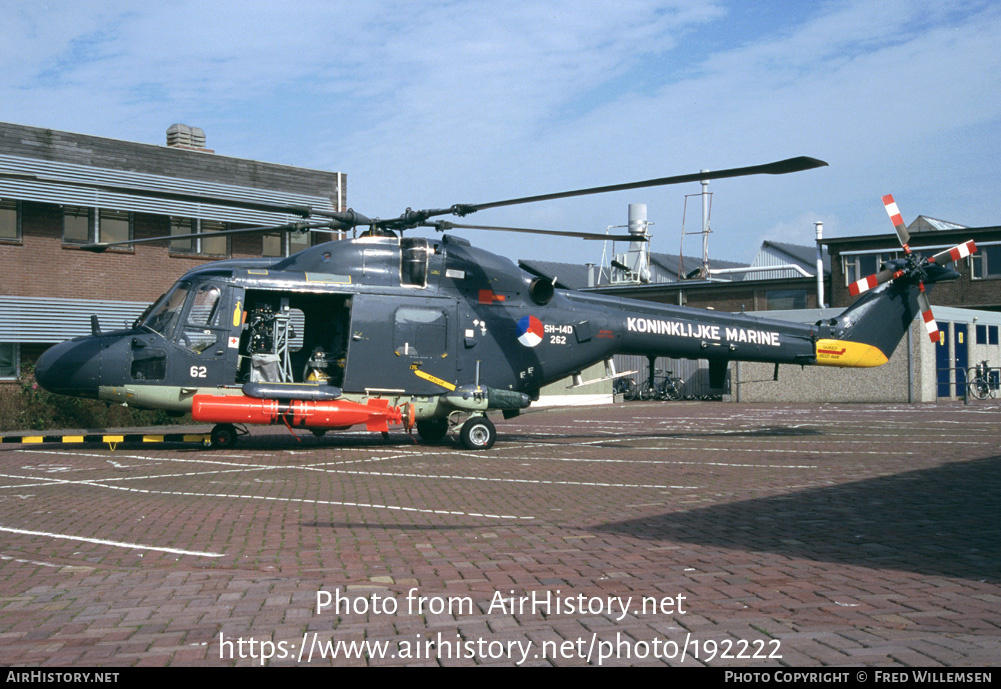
{"x":224,"y":435}
{"x":432,"y":430}
{"x":478,"y":433}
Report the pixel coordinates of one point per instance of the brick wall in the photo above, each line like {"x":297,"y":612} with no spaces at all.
{"x":964,"y":292}
{"x":40,"y":265}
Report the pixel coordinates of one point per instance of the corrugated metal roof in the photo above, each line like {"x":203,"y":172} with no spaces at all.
{"x":664,"y":267}
{"x":923,"y":223}
{"x":74,"y":194}
{"x":779,"y":253}
{"x":41,"y":319}
{"x":672,"y":265}
{"x":568,"y":275}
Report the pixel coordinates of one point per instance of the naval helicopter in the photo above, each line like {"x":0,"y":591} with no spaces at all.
{"x":387,"y":329}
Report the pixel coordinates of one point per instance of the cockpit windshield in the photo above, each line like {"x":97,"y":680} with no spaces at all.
{"x":166,"y":311}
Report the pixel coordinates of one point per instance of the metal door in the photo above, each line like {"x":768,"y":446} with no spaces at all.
{"x":960,"y":356}
{"x":943,"y":362}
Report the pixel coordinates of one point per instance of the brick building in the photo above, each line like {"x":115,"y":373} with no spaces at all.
{"x":60,"y":191}
{"x":979,"y":286}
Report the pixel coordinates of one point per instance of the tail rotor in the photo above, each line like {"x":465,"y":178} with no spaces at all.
{"x":920,"y":270}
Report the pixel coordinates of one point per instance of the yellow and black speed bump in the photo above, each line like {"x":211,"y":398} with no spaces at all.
{"x":111,"y":439}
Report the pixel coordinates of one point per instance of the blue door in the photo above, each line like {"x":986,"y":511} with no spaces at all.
{"x":961,"y":360}
{"x":943,"y":361}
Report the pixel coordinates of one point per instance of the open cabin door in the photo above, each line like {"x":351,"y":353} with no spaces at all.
{"x":401,"y":345}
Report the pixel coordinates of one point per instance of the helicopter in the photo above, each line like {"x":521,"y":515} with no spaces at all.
{"x":391,"y":329}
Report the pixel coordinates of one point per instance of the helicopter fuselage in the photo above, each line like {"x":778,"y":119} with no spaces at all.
{"x":438,"y":325}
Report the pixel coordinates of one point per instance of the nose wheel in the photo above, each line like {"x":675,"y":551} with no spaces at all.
{"x":478,"y":433}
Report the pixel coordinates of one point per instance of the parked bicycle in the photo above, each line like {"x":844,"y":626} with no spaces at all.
{"x":669,"y":387}
{"x":984,"y":383}
{"x":626,"y":387}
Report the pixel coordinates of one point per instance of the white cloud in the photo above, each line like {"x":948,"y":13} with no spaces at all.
{"x":427,"y":104}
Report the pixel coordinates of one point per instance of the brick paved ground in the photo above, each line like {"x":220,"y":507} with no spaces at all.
{"x":826,"y":534}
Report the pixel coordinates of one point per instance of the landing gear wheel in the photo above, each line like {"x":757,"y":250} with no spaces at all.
{"x":319,"y":432}
{"x":478,"y":433}
{"x":432,"y":430}
{"x":224,"y":435}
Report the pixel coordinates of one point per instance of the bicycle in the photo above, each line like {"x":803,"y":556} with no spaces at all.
{"x":984,"y":384}
{"x":670,"y":387}
{"x":626,"y":387}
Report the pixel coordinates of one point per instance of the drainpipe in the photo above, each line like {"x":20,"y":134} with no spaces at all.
{"x":820,"y":264}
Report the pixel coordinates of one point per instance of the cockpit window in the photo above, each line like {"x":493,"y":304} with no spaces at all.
{"x":167,"y":311}
{"x":203,"y":314}
{"x":204,"y":306}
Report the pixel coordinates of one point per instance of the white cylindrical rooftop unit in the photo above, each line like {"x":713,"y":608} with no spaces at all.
{"x":638,"y":258}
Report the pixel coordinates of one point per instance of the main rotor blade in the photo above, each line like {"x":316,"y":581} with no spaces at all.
{"x":99,"y":247}
{"x":780,"y":167}
{"x":444,"y":225}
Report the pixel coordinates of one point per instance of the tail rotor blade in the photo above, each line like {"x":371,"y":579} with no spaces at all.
{"x":898,"y":222}
{"x":954,"y":254}
{"x":931,"y":327}
{"x":874,"y":280}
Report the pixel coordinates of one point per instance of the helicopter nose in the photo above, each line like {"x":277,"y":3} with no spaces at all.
{"x":71,"y":368}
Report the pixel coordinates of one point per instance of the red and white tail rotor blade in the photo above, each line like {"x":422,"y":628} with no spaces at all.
{"x":874,"y":280}
{"x":931,"y":327}
{"x":955,"y":253}
{"x":898,"y":222}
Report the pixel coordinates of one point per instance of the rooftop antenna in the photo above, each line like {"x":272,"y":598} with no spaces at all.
{"x":704,"y":231}
{"x":705,"y":227}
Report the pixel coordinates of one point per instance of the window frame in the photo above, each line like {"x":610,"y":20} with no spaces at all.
{"x":94,"y":235}
{"x":16,"y":357}
{"x":981,"y":267}
{"x":16,"y":239}
{"x":851,"y":263}
{"x":197,"y":247}
{"x":285,"y":240}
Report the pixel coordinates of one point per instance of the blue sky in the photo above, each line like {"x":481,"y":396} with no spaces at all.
{"x":425,"y":104}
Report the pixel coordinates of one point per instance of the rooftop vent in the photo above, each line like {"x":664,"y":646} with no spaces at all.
{"x":183,"y":136}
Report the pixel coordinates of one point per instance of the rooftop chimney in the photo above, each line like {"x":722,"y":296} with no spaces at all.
{"x":190,"y":138}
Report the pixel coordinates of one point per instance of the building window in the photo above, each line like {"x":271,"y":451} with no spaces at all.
{"x":9,"y":361}
{"x":88,"y":225}
{"x":981,"y":334}
{"x":780,"y":300}
{"x":858,"y":266}
{"x":203,"y":246}
{"x":987,"y":262}
{"x":10,"y":220}
{"x":272,"y":245}
{"x":77,"y":223}
{"x":114,"y":226}
{"x":285,"y":243}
